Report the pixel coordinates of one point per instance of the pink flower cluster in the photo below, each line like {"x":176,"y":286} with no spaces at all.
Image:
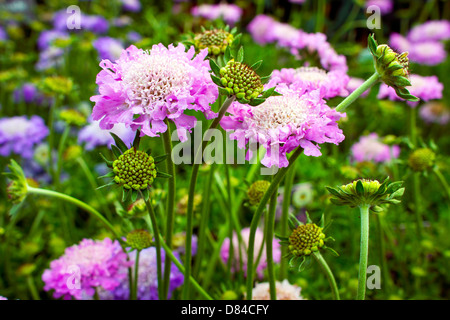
{"x":296,"y":118}
{"x":84,"y":267}
{"x":264,"y":29}
{"x":424,"y":88}
{"x":370,"y":148}
{"x":424,"y":42}
{"x":143,"y":89}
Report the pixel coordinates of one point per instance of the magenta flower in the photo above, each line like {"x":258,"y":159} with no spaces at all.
{"x":283,"y":123}
{"x":425,"y":88}
{"x":385,"y":6}
{"x":428,"y":53}
{"x":19,"y":135}
{"x":259,"y":241}
{"x":260,"y":29}
{"x":435,"y":30}
{"x":3,"y":298}
{"x":333,"y":83}
{"x":230,"y":13}
{"x":84,"y":267}
{"x":370,"y":148}
{"x":144,"y":88}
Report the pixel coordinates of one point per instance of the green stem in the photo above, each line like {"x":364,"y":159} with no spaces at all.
{"x":257,"y":217}
{"x":364,"y":251}
{"x":412,"y":126}
{"x":134,"y":290}
{"x":355,"y":94}
{"x":326,"y":269}
{"x":289,"y":181}
{"x":62,"y":143}
{"x":51,"y":136}
{"x":192,"y":183}
{"x":417,"y":205}
{"x":382,"y":253}
{"x":442,"y":180}
{"x":155,"y":230}
{"x":72,"y":200}
{"x":32,"y":288}
{"x":269,"y":245}
{"x":170,"y":212}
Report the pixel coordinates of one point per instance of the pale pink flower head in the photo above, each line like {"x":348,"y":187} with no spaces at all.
{"x":230,"y":13}
{"x":144,"y":88}
{"x":260,"y":28}
{"x":86,"y":266}
{"x":429,"y":53}
{"x":297,"y":118}
{"x":371,"y":148}
{"x":284,"y":290}
{"x":424,"y":88}
{"x":333,"y":83}
{"x":386,"y":6}
{"x":434,"y":30}
{"x":259,"y":241}
{"x":435,"y":112}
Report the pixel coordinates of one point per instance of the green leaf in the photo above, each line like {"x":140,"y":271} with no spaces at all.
{"x":216,"y":80}
{"x":125,"y":194}
{"x":372,"y":45}
{"x":268,"y":92}
{"x":161,"y":158}
{"x":266,"y":78}
{"x":214,"y":67}
{"x":110,"y":174}
{"x":359,"y":188}
{"x":109,"y":163}
{"x":240,"y":55}
{"x":227,"y":55}
{"x":106,"y":185}
{"x":256,"y":65}
{"x":223,"y":91}
{"x":145,"y":194}
{"x":134,"y":195}
{"x":15,"y":208}
{"x":160,"y":174}
{"x":256,"y":102}
{"x":334,"y":252}
{"x":116,"y":151}
{"x":236,"y":41}
{"x":119,"y":143}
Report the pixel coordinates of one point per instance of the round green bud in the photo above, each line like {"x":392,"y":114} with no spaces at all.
{"x":139,"y":239}
{"x":256,"y":191}
{"x":216,"y":41}
{"x":306,"y":239}
{"x":134,"y":169}
{"x":421,"y":159}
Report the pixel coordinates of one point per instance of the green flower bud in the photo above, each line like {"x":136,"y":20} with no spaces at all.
{"x":73,"y":117}
{"x":256,"y":191}
{"x":216,"y":41}
{"x":306,"y":239}
{"x":421,"y":159}
{"x":57,"y":85}
{"x":139,"y":239}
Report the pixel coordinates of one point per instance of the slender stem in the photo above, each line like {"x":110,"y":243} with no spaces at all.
{"x":289,"y":181}
{"x":364,"y":251}
{"x":192,"y":183}
{"x":412,"y":126}
{"x":269,"y":245}
{"x":257,"y":216}
{"x":32,"y":288}
{"x":382,"y":253}
{"x":320,"y":15}
{"x":417,"y":205}
{"x":326,"y":269}
{"x":62,"y":143}
{"x":134,"y":292}
{"x":355,"y":94}
{"x":170,"y":212}
{"x":155,"y":230}
{"x":79,"y":203}
{"x":442,"y":180}
{"x":51,"y":135}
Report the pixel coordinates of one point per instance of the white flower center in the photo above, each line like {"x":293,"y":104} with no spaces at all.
{"x":151,"y":78}
{"x":311,"y":74}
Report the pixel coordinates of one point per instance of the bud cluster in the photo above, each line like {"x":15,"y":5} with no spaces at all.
{"x":134,"y":169}
{"x":256,"y":191}
{"x":306,"y":239}
{"x":215,"y":40}
{"x":139,"y":239}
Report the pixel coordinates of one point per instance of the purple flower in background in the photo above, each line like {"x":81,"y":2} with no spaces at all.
{"x":259,"y":241}
{"x":131,"y":5}
{"x":386,"y":6}
{"x":48,"y":36}
{"x":429,"y":53}
{"x":297,"y":1}
{"x":3,"y":35}
{"x":147,"y":278}
{"x":435,"y":30}
{"x":370,"y":148}
{"x":154,"y":85}
{"x":108,"y":48}
{"x":86,"y":266}
{"x":425,"y":88}
{"x":297,"y":118}
{"x":94,"y":23}
{"x":93,"y":136}
{"x":28,"y":93}
{"x":133,"y":36}
{"x":435,"y":112}
{"x":51,"y":57}
{"x":19,"y":134}
{"x":260,"y":29}
{"x":399,"y":42}
{"x":333,"y":83}
{"x":230,"y":13}
{"x":3,"y":298}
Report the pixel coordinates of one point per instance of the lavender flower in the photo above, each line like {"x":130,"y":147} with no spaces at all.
{"x":47,"y":37}
{"x":90,"y":265}
{"x":435,"y":112}
{"x":147,"y":278}
{"x":108,"y":48}
{"x":3,"y":35}
{"x":386,"y":6}
{"x":93,"y":23}
{"x":93,"y":136}
{"x":285,"y":291}
{"x":425,"y":88}
{"x":259,"y":241}
{"x":260,"y":29}
{"x":51,"y":57}
{"x":332,"y":83}
{"x":429,"y":53}
{"x":370,"y":148}
{"x":297,"y":118}
{"x":155,"y":85}
{"x":19,"y":134}
{"x":131,"y":5}
{"x":3,"y":298}
{"x":435,"y":30}
{"x":29,"y":93}
{"x":230,"y":13}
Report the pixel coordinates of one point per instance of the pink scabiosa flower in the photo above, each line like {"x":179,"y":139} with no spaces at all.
{"x":260,"y":29}
{"x":424,"y":88}
{"x":108,"y":48}
{"x":434,"y":30}
{"x":18,"y":135}
{"x":285,"y":291}
{"x":385,"y":6}
{"x":333,"y":83}
{"x":435,"y":112}
{"x":144,"y":88}
{"x":3,"y":298}
{"x":84,"y":267}
{"x":259,"y":241}
{"x":371,"y":148}
{"x":230,"y":13}
{"x":297,"y":118}
{"x":429,"y":53}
